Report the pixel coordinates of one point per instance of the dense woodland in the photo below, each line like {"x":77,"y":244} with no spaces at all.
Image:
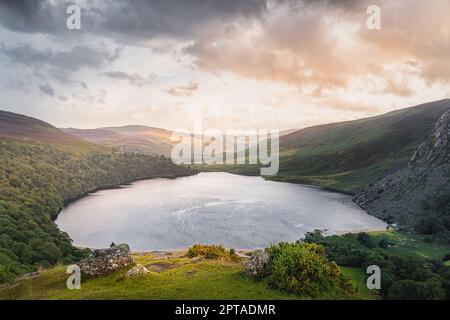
{"x":37,"y":179}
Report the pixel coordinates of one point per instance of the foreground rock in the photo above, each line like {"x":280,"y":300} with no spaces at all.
{"x":104,"y":261}
{"x":256,"y":266}
{"x":137,"y":270}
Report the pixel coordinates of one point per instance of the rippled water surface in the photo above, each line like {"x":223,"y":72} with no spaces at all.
{"x":236,"y":211}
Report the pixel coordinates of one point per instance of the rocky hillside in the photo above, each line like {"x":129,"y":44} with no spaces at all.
{"x":418,"y":195}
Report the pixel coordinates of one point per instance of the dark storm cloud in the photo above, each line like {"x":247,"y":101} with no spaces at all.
{"x":32,"y":16}
{"x":130,"y":19}
{"x":71,"y":60}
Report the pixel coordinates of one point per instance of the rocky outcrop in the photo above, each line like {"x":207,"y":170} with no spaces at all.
{"x":104,"y":261}
{"x":137,"y":270}
{"x":435,"y":150}
{"x":399,"y":197}
{"x":257,"y":265}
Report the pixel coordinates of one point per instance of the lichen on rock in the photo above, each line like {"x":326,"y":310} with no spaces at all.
{"x":104,"y":261}
{"x":257,"y":265}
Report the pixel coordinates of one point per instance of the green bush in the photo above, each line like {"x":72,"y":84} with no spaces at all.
{"x":213,"y":252}
{"x":302,"y":268}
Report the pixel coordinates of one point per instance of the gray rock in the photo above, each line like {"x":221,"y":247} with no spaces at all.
{"x":257,"y":265}
{"x":435,"y":150}
{"x":104,"y":261}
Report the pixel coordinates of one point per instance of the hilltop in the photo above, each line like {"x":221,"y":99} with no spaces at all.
{"x":17,"y":126}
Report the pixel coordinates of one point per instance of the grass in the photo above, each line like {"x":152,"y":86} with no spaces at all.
{"x":182,"y":278}
{"x":358,"y":276}
{"x":406,"y":244}
{"x":403,"y":244}
{"x":173,"y":278}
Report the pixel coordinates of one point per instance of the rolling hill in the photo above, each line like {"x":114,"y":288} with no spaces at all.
{"x":133,"y":138}
{"x":349,"y":155}
{"x":17,"y":126}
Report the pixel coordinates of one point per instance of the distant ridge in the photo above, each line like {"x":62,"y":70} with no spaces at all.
{"x":131,"y":138}
{"x":17,"y":126}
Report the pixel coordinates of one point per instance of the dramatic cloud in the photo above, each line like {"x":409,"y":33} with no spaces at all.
{"x":317,"y":51}
{"x":282,"y":62}
{"x":129,"y":20}
{"x":72,"y":60}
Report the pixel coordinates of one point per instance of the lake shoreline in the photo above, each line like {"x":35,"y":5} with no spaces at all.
{"x":242,"y":251}
{"x":120,"y":186}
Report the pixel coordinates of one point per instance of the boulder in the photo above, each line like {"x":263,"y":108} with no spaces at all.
{"x":137,"y":270}
{"x":104,"y":261}
{"x":257,"y":265}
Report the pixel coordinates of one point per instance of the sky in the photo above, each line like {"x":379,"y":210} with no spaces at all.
{"x":229,"y":63}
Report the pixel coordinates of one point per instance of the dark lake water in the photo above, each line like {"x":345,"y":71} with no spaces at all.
{"x":221,"y":208}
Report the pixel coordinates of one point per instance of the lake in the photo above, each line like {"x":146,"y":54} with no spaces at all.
{"x":236,"y":211}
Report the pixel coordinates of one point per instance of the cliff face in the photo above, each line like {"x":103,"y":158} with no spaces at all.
{"x":400,"y":197}
{"x":435,"y":150}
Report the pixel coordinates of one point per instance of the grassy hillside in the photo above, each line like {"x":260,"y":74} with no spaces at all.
{"x":349,"y":155}
{"x":173,"y":278}
{"x":39,"y":173}
{"x":177,"y":277}
{"x":14,"y":125}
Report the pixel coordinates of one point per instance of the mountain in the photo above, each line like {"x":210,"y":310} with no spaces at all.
{"x":132,"y":139}
{"x":17,"y":126}
{"x":349,"y":155}
{"x":418,"y":195}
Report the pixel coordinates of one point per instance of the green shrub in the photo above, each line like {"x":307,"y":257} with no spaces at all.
{"x":302,"y":268}
{"x":214,"y":252}
{"x":413,"y":290}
